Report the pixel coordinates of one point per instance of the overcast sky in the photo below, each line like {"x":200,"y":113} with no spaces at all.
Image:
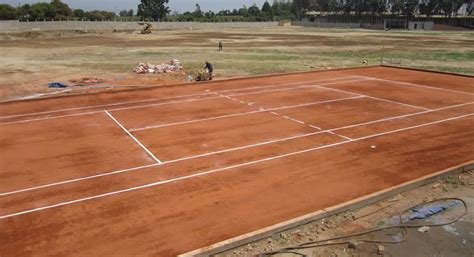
{"x":178,"y":5}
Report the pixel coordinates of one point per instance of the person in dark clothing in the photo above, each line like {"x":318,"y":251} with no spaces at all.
{"x":220,"y":45}
{"x":209,"y":69}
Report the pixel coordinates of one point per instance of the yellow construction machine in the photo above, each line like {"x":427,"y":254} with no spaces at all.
{"x":148,"y":27}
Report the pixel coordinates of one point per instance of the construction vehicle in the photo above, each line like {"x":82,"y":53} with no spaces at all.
{"x":148,"y":27}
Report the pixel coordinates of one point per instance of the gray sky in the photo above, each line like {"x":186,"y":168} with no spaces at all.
{"x":179,"y":5}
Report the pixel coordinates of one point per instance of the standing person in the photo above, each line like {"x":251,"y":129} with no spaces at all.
{"x":210,"y":69}
{"x":220,"y":46}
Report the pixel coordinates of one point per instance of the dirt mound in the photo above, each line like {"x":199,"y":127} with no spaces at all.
{"x":450,"y":28}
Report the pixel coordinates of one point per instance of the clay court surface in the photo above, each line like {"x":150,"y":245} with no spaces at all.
{"x":163,"y":171}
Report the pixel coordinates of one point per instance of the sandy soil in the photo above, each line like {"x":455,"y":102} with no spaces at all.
{"x":456,"y":240}
{"x":31,"y":60}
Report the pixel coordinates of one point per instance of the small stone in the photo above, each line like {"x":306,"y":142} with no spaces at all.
{"x":380,"y":249}
{"x":352,"y":245}
{"x":424,"y":229}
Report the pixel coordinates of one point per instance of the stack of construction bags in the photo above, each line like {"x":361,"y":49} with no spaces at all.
{"x":171,"y":66}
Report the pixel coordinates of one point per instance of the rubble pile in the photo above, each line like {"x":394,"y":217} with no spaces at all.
{"x":171,"y":66}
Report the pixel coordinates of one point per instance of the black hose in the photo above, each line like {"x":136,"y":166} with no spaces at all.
{"x":327,"y":242}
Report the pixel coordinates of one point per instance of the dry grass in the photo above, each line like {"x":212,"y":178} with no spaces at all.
{"x":30,"y":60}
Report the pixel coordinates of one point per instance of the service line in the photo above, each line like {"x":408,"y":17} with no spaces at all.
{"x":134,"y":138}
{"x":228,"y":150}
{"x":144,"y":106}
{"x":261,"y":110}
{"x":157,"y":99}
{"x":153,"y":184}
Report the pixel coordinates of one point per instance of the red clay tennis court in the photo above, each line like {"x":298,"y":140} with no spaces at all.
{"x":166,"y":170}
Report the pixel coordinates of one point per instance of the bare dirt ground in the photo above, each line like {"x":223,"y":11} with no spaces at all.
{"x":31,"y":60}
{"x":454,"y":240}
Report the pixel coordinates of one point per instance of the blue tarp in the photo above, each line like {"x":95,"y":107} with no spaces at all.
{"x":56,"y":85}
{"x":425,"y":211}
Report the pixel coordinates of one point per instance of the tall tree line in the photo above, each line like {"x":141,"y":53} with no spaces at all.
{"x":276,"y":10}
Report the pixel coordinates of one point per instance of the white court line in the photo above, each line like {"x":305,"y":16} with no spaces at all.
{"x":143,"y":106}
{"x":378,"y":98}
{"x":289,"y":84}
{"x":134,"y":138}
{"x":79,"y":179}
{"x":50,"y":117}
{"x":399,"y":117}
{"x":346,"y":138}
{"x":299,"y":87}
{"x":102,"y":105}
{"x":416,"y":126}
{"x":233,"y":149}
{"x":418,"y":85}
{"x":110,"y":110}
{"x":221,"y":169}
{"x":246,"y":113}
{"x":155,"y":99}
{"x":163,"y":163}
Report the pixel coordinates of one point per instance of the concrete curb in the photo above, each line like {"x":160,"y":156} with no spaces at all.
{"x":350,"y":205}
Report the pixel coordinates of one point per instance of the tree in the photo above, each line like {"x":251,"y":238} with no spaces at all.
{"x":60,"y":10}
{"x":78,"y":13}
{"x":198,"y":12}
{"x":244,"y":11}
{"x":376,"y":7}
{"x":7,"y":12}
{"x":334,"y":6}
{"x":428,"y":8}
{"x":41,"y":11}
{"x":23,"y":12}
{"x":99,"y":15}
{"x":396,"y":6}
{"x":155,"y":9}
{"x":130,"y":13}
{"x":267,"y":11}
{"x":299,"y":7}
{"x":254,"y":10}
{"x":123,"y":13}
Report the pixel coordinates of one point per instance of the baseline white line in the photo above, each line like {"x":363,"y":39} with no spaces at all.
{"x":378,"y":98}
{"x":220,"y":169}
{"x":133,"y":137}
{"x":153,"y":99}
{"x":232,"y":149}
{"x":142,"y":106}
{"x":418,"y":85}
{"x":245,"y":113}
